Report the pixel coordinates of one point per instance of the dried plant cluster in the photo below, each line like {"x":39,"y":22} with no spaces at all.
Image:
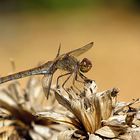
{"x":84,"y":114}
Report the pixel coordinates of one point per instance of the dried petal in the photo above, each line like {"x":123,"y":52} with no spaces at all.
{"x":72,"y":135}
{"x":94,"y":137}
{"x":59,"y":118}
{"x":107,"y":100}
{"x":108,"y":132}
{"x":66,"y":135}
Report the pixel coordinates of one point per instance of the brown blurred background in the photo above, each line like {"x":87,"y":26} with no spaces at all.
{"x":31,"y":30}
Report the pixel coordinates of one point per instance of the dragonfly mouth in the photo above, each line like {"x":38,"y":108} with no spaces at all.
{"x":85,"y":65}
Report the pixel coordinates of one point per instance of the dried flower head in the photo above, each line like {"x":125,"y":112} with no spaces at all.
{"x":17,"y":109}
{"x":95,"y":115}
{"x":89,"y":110}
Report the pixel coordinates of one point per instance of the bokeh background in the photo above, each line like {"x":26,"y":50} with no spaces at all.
{"x":31,"y":30}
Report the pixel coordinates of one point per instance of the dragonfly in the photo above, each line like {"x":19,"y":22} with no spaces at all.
{"x":67,"y":62}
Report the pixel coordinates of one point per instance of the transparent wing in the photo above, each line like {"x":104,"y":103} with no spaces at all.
{"x":81,"y":50}
{"x":46,"y":84}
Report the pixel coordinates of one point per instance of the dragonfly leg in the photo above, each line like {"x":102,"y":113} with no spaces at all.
{"x":82,"y":76}
{"x":76,"y":79}
{"x":58,"y":78}
{"x":70,"y":74}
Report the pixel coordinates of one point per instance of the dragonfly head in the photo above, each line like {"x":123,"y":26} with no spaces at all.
{"x":85,"y":65}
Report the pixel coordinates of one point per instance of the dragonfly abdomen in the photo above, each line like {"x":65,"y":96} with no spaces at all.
{"x":43,"y":69}
{"x":19,"y":75}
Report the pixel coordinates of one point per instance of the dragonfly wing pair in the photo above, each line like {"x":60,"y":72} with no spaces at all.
{"x":47,"y":79}
{"x":46,"y":84}
{"x":79,"y":51}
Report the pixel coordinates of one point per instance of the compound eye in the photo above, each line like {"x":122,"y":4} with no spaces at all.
{"x":85,"y":65}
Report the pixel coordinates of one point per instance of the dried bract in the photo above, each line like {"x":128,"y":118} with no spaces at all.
{"x":88,"y":107}
{"x":18,"y":106}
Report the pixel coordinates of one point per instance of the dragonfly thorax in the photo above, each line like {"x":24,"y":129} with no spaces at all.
{"x":85,"y":65}
{"x":67,"y":63}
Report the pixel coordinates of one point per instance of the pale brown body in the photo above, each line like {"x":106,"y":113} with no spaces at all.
{"x":66,"y":62}
{"x":48,"y":68}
